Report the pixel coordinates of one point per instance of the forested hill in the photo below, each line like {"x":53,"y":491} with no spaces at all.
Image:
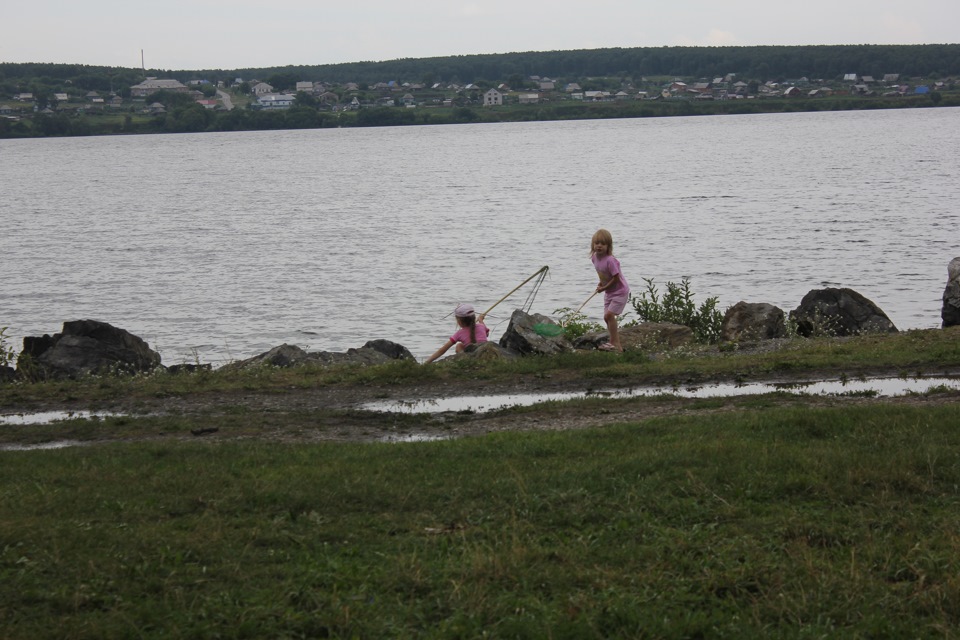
{"x":762,"y":62}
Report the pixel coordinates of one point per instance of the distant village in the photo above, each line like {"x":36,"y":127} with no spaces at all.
{"x":257,"y":94}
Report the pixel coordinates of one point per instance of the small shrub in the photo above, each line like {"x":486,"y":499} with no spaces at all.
{"x":677,"y":307}
{"x":575,"y":323}
{"x":7,"y":354}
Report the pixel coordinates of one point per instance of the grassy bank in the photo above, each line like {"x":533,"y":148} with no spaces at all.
{"x":759,"y":516}
{"x":906,"y":353}
{"x":785,"y":522}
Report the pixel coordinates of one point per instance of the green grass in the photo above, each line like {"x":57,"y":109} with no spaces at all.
{"x":930,"y":351}
{"x":784,"y":522}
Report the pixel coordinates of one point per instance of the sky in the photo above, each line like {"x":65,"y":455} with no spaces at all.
{"x":239,"y":34}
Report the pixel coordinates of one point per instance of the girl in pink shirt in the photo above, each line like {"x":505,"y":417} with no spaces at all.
{"x":615,"y":289}
{"x":471,"y":331}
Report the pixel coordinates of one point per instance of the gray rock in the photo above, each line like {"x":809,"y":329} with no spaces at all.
{"x":644,"y":336}
{"x":839,"y":312}
{"x":655,"y":335}
{"x":87,"y":347}
{"x":487,"y":351}
{"x":390,"y":349}
{"x":287,"y":355}
{"x":7,"y":374}
{"x":950,"y":312}
{"x":748,"y":321}
{"x":521,"y":336}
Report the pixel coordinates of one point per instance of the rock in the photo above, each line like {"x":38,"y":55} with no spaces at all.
{"x":645,"y":336}
{"x":953,"y":270}
{"x":362,"y":356}
{"x":7,"y":374}
{"x":655,"y":335}
{"x":487,"y":351}
{"x":950,"y":312}
{"x":839,"y":312}
{"x":752,"y":321}
{"x":286,"y":355}
{"x":390,"y":349}
{"x":521,"y":336}
{"x":87,"y":347}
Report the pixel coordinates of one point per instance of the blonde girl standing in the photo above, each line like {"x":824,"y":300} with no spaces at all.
{"x":615,"y":289}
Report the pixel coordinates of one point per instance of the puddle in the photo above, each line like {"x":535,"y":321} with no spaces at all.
{"x":46,"y":417}
{"x":414,"y":437}
{"x":879,"y":387}
{"x":57,"y":444}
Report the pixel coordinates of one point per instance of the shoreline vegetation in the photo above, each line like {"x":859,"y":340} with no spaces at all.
{"x":54,"y":100}
{"x":265,"y":503}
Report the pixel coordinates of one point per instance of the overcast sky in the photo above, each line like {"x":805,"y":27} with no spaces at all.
{"x":221,"y":34}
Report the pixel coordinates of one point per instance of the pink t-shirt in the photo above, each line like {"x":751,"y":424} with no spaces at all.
{"x":463,"y":334}
{"x":607,"y":267}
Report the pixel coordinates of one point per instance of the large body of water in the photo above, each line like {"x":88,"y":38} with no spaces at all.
{"x":221,"y":246}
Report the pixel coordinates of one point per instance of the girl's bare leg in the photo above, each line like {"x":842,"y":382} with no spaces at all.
{"x":611,"y":319}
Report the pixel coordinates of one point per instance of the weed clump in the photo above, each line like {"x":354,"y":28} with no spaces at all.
{"x":677,"y":307}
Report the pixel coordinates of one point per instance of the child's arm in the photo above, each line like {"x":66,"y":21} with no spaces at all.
{"x":442,"y":350}
{"x":603,"y":286}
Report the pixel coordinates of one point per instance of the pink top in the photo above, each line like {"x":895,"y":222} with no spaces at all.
{"x":463,"y":334}
{"x":607,"y":267}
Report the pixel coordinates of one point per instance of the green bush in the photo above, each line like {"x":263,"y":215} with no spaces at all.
{"x":677,"y":307}
{"x":7,"y":355}
{"x":575,"y":323}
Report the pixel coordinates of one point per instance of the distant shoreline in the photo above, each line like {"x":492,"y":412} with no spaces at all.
{"x":61,"y":125}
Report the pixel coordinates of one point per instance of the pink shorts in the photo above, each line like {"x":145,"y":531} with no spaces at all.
{"x":615,"y":303}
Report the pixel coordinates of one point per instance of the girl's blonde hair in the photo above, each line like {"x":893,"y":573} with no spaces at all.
{"x":602,"y":235}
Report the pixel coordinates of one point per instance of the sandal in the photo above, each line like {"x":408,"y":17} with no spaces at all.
{"x":606,"y":346}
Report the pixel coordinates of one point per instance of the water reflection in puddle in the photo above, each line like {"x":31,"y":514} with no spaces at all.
{"x":46,"y":417}
{"x":880,"y":387}
{"x":414,"y":437}
{"x":57,"y":444}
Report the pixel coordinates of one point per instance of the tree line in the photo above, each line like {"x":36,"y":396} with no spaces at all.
{"x":763,"y":63}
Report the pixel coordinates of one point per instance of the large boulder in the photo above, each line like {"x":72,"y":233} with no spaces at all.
{"x":839,"y":312}
{"x":86,"y":347}
{"x":529,"y":334}
{"x":749,"y":321}
{"x":950,"y":312}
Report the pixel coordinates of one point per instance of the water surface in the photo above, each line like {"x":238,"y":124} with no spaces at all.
{"x":220,"y":246}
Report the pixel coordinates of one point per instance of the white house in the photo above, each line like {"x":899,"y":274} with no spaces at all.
{"x":529,"y":98}
{"x":275,"y":101}
{"x":492,"y":98}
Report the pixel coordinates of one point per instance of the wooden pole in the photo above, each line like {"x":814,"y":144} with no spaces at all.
{"x":542,"y":269}
{"x":585,"y":302}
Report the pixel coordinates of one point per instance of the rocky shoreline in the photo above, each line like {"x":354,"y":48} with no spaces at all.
{"x":85,"y":347}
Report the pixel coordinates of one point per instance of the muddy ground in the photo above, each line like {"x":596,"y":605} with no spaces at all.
{"x":336,"y":413}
